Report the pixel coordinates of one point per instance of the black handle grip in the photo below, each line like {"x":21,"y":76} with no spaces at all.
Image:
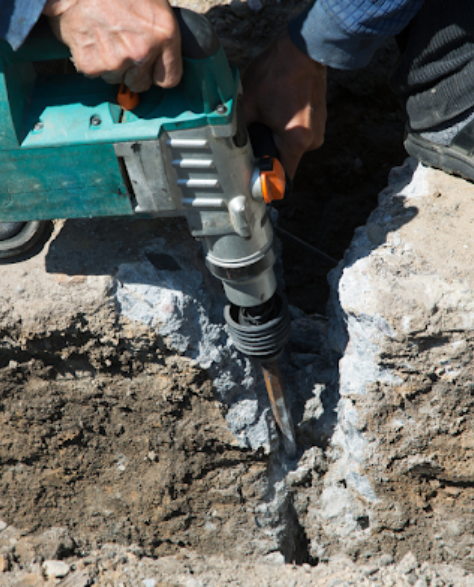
{"x":262,"y":141}
{"x":198,"y":38}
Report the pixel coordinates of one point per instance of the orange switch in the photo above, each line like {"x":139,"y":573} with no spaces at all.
{"x":272,"y":178}
{"x":127,"y":99}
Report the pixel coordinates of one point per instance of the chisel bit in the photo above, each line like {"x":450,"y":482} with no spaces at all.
{"x":276,"y":393}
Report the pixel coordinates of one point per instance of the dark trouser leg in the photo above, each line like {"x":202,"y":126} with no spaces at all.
{"x":435,"y":76}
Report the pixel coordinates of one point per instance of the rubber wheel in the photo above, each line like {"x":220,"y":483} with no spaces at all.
{"x":18,"y":237}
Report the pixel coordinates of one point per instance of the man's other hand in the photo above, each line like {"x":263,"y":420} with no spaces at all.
{"x":286,"y":90}
{"x":134,"y":41}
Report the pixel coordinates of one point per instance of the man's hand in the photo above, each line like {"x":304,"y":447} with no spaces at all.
{"x":134,"y":41}
{"x":286,"y":90}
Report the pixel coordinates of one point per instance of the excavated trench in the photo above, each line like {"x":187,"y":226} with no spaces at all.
{"x":108,"y":432}
{"x":122,"y":441}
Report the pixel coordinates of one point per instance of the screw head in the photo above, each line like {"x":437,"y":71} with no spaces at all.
{"x":39,"y":126}
{"x":221,"y":109}
{"x":96,"y":121}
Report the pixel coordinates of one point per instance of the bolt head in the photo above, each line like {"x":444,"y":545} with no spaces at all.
{"x":96,"y":121}
{"x":39,"y":126}
{"x":221,"y":109}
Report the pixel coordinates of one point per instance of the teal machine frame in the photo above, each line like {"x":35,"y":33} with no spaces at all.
{"x":58,"y":132}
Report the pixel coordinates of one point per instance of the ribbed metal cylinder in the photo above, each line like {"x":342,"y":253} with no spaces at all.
{"x":261,"y":338}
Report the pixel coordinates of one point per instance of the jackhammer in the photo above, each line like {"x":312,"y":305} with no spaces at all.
{"x":72,"y":147}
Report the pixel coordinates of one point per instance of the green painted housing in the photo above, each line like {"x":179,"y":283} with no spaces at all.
{"x":57,"y":132}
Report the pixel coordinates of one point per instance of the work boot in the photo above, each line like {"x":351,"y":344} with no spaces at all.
{"x":434,"y":80}
{"x":450,"y":147}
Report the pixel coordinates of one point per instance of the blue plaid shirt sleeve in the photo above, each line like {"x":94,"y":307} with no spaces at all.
{"x":17,"y":18}
{"x":344,"y":34}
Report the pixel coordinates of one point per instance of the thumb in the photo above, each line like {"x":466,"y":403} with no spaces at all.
{"x":289,"y":157}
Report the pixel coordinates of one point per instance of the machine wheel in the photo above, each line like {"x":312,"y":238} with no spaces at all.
{"x":18,"y":237}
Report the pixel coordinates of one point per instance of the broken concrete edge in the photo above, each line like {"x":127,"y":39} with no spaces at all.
{"x":348,"y":494}
{"x":401,"y":317}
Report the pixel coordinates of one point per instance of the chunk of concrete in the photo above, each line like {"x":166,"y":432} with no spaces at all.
{"x":56,"y":569}
{"x":402,"y":319}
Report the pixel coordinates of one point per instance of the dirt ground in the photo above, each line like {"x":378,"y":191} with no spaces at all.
{"x":63,"y":446}
{"x":66,"y":424}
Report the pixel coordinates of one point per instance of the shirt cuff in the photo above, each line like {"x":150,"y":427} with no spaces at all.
{"x":319,"y":35}
{"x":23,"y":16}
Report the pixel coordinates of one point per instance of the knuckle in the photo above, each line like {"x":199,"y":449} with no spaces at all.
{"x":101,"y":68}
{"x":302,"y":138}
{"x":89,"y":70}
{"x":140,"y":86}
{"x":138,"y":81}
{"x":141,"y":53}
{"x":318,"y":142}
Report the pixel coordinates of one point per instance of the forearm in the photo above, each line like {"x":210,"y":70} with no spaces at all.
{"x":344,"y":34}
{"x":17,"y":18}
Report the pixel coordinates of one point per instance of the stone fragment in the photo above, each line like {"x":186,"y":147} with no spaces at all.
{"x":408,"y":564}
{"x":274,"y":558}
{"x":56,"y":569}
{"x":77,"y":579}
{"x":55,"y":544}
{"x":311,"y":463}
{"x":3,"y":525}
{"x":5,"y":562}
{"x":26,"y":552}
{"x":385,"y":560}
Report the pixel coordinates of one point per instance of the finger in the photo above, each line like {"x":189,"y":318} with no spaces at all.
{"x":292,"y":144}
{"x":112,"y":77}
{"x":138,"y":79}
{"x":168,"y":68}
{"x":289,"y":158}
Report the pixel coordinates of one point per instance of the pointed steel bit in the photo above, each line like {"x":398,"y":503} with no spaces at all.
{"x":276,"y":393}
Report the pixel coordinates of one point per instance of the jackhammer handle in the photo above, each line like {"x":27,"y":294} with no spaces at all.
{"x":198,"y":38}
